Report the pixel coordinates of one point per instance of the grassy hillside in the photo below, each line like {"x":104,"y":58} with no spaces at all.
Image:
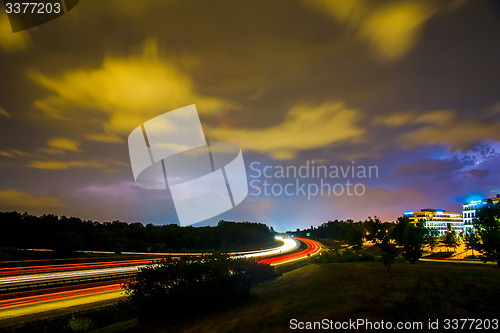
{"x":343,"y":291}
{"x":335,"y":291}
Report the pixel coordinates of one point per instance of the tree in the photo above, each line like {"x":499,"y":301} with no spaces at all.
{"x":173,"y":288}
{"x":65,"y":243}
{"x":354,"y":236}
{"x":387,"y":245}
{"x":472,"y":242}
{"x":65,"y":235}
{"x":450,"y":239}
{"x":431,"y":239}
{"x":487,"y":223}
{"x":382,"y":237}
{"x":411,"y":237}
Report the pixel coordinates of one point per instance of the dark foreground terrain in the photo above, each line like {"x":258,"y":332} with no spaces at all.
{"x":344,"y":291}
{"x":338,"y":292}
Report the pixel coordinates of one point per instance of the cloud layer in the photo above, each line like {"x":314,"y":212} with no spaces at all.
{"x":410,"y":86}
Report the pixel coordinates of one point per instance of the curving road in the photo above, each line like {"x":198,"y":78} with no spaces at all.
{"x":24,"y":276}
{"x":313,"y":248}
{"x":14,"y":305}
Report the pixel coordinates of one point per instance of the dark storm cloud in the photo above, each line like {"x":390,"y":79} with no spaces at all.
{"x":426,"y":167}
{"x":479,"y":173}
{"x":286,"y":80}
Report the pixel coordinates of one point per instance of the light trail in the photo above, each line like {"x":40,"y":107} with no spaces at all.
{"x":63,"y":267}
{"x":39,"y":278}
{"x":289,"y":244}
{"x":110,"y":268}
{"x":61,"y":300}
{"x":65,"y":297}
{"x":313,"y":248}
{"x":58,"y":295}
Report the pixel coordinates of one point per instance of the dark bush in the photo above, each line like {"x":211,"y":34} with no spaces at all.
{"x":181,"y":287}
{"x":366,"y":257}
{"x":346,"y":255}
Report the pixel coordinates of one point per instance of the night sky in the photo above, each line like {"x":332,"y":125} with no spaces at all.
{"x":412,"y":87}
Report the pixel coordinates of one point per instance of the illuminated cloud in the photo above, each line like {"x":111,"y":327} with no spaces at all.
{"x":105,"y":166}
{"x":399,"y":119}
{"x":4,"y":113}
{"x":14,"y":153}
{"x":122,"y":93}
{"x":12,"y":198}
{"x":304,"y":127}
{"x":449,"y":128}
{"x":391,"y":28}
{"x":125,"y":193}
{"x":61,"y":165}
{"x":420,"y":90}
{"x":52,"y":151}
{"x":9,"y":41}
{"x":442,"y":127}
{"x":6,"y":153}
{"x":63,"y":144}
{"x":459,"y":135}
{"x":105,"y":138}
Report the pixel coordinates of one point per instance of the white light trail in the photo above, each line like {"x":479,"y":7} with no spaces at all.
{"x":289,"y":244}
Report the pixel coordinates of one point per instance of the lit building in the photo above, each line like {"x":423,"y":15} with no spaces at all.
{"x":438,"y":219}
{"x":469,"y":211}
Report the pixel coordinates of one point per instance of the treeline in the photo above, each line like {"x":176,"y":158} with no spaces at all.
{"x":348,"y":231}
{"x":67,"y":234}
{"x":409,"y":239}
{"x":401,"y":237}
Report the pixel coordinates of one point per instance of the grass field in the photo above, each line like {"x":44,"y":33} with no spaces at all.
{"x":336,"y":291}
{"x":343,"y":291}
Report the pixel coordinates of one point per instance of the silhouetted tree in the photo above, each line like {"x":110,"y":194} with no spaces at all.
{"x":450,"y":240}
{"x":65,"y":243}
{"x":65,"y":235}
{"x":382,"y":237}
{"x":432,"y":239}
{"x":173,"y":288}
{"x":472,"y":242}
{"x":411,"y":237}
{"x":354,"y":236}
{"x":487,"y":223}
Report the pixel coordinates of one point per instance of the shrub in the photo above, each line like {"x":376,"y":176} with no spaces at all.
{"x":366,"y":257}
{"x":180,"y":287}
{"x":347,"y":255}
{"x":80,"y":324}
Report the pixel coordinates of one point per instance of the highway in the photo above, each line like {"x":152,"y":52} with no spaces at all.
{"x":313,"y":248}
{"x":7,"y":271}
{"x":25,"y":276}
{"x":79,"y":284}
